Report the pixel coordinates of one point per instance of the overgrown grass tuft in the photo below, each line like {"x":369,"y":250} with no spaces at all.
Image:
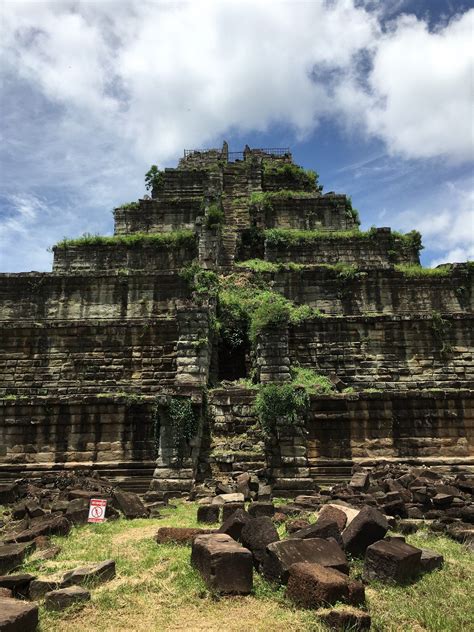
{"x":418,"y":272}
{"x":168,"y":240}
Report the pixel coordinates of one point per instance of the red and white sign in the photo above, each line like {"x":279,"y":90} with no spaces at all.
{"x":97,"y":510}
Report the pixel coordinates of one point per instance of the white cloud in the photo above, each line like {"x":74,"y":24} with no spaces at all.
{"x":447,"y":225}
{"x":422,"y":88}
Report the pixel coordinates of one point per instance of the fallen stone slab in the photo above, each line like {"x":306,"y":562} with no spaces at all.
{"x":18,"y":584}
{"x":345,"y":619}
{"x":367,"y":527}
{"x":45,"y":554}
{"x":17,"y":616}
{"x":225,"y":565}
{"x":130,"y":504}
{"x":77,"y":511}
{"x":360,"y":481}
{"x":208,"y":513}
{"x":12,"y":555}
{"x":308,"y":502}
{"x":65,"y":597}
{"x":283,"y":554}
{"x":260,"y":508}
{"x":351,"y":512}
{"x":8,"y":493}
{"x":222,"y":499}
{"x":229,"y":508}
{"x":179,"y":535}
{"x":392,"y":560}
{"x":430,"y":560}
{"x":47,"y":525}
{"x":42,"y":585}
{"x":256,"y":535}
{"x":334,"y":513}
{"x":235,"y":523}
{"x":92,"y":574}
{"x":323,"y":528}
{"x":6,"y":592}
{"x":313,"y":585}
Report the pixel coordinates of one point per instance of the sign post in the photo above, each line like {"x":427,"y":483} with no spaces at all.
{"x":97,"y":508}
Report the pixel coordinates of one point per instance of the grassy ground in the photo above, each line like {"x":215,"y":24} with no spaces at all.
{"x":156,"y":589}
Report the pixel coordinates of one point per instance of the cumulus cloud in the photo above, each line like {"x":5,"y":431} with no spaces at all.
{"x":447,"y":225}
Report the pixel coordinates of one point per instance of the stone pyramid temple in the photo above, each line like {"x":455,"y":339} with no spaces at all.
{"x":238,"y":320}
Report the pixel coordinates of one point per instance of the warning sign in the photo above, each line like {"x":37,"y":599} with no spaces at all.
{"x":97,"y":510}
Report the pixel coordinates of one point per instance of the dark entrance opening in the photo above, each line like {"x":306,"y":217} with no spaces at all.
{"x":232,"y":361}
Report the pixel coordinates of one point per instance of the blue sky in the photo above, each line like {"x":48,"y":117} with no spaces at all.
{"x":375,"y":96}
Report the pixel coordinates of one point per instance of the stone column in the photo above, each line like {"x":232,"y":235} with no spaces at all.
{"x":272,"y":356}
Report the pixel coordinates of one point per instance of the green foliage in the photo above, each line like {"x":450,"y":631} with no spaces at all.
{"x":201,"y":281}
{"x":174,"y":239}
{"x":352,"y":213}
{"x":273,"y":310}
{"x":280,"y":404}
{"x":414,"y":271}
{"x":311,"y":381}
{"x":215,"y":216}
{"x":154,"y":179}
{"x":286,"y":237}
{"x":184,"y":422}
{"x":130,"y":206}
{"x":294,"y":176}
{"x":263,"y":200}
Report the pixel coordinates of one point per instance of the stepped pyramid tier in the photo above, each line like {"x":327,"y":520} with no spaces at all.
{"x":237,"y":320}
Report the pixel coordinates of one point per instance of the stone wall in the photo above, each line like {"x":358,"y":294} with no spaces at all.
{"x":35,"y":296}
{"x":149,"y":257}
{"x":85,"y":430}
{"x":318,"y":212}
{"x":381,"y":250}
{"x":419,"y":424}
{"x":87,"y":357}
{"x":165,"y":214}
{"x":375,"y":291}
{"x":388,"y":352}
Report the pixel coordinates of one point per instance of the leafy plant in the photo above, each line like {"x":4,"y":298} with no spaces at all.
{"x":184,"y":422}
{"x":280,"y":405}
{"x":129,"y":206}
{"x":416,"y":271}
{"x":215,"y":216}
{"x":441,"y":330}
{"x":294,"y":175}
{"x":154,"y":179}
{"x":351,"y":212}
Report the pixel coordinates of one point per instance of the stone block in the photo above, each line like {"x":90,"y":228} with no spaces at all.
{"x":18,"y":616}
{"x":335,"y":514}
{"x":430,"y":560}
{"x":19,"y":583}
{"x":281,"y":555}
{"x":235,"y":523}
{"x":12,"y":555}
{"x":345,"y":619}
{"x":392,"y":560}
{"x":313,"y":585}
{"x":178,"y":535}
{"x":225,"y":565}
{"x":260,"y":508}
{"x":65,"y":597}
{"x":208,"y":513}
{"x":229,"y":508}
{"x":222,"y":499}
{"x":322,"y":528}
{"x":256,"y":534}
{"x":130,"y":504}
{"x":91,"y":574}
{"x":368,"y":527}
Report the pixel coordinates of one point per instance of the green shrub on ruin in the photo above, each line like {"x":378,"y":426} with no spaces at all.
{"x":129,"y":206}
{"x":201,"y":281}
{"x":214,"y":217}
{"x":295,"y":175}
{"x":311,"y":381}
{"x":413,"y":271}
{"x":174,"y":239}
{"x":280,"y":404}
{"x":154,"y":179}
{"x":352,"y":213}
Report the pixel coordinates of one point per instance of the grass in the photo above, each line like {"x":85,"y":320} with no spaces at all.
{"x":418,"y":272}
{"x":168,"y":240}
{"x":156,"y":589}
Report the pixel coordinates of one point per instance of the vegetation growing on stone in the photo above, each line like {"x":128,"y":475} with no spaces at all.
{"x":154,"y":179}
{"x":280,"y":405}
{"x":129,"y":206}
{"x":215,"y":216}
{"x":351,"y":212}
{"x":292,"y":174}
{"x":174,"y":239}
{"x":418,"y":272}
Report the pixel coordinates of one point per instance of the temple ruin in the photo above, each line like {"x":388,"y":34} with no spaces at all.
{"x":142,"y":354}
